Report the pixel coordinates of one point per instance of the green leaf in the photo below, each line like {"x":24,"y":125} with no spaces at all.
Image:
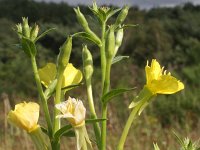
{"x":113,"y":93}
{"x":44,"y":33}
{"x":44,"y":130}
{"x":28,"y":46}
{"x":72,"y":86}
{"x":62,"y":131}
{"x":69,"y":133}
{"x":87,"y":121}
{"x":86,"y":36}
{"x":119,"y":58}
{"x":129,"y":25}
{"x":181,"y":142}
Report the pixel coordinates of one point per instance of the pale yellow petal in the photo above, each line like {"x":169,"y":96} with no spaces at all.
{"x":153,"y":72}
{"x":47,"y":74}
{"x":71,"y":75}
{"x":165,"y":85}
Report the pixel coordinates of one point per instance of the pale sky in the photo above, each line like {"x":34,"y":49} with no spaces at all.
{"x":140,"y":3}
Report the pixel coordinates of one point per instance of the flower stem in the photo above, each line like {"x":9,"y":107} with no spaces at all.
{"x":93,"y":113}
{"x":126,"y":128}
{"x":56,"y":125}
{"x":42,"y":96}
{"x":104,"y":106}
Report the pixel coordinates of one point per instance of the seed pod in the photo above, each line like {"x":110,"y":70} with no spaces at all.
{"x":110,"y":43}
{"x":122,"y":16}
{"x":25,"y":27}
{"x":87,"y":63}
{"x":81,"y":19}
{"x":34,"y":32}
{"x":119,"y":38}
{"x":64,"y":55}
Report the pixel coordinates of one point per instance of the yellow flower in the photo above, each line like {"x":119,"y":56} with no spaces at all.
{"x":71,"y":75}
{"x":25,"y":116}
{"x":160,"y":82}
{"x":73,"y":110}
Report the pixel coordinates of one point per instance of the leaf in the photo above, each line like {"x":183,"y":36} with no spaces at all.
{"x":181,"y":142}
{"x":62,"y":131}
{"x":86,"y":36}
{"x":87,"y":121}
{"x":72,"y":86}
{"x":119,"y":58}
{"x":113,"y":93}
{"x":69,"y":133}
{"x":28,"y":46}
{"x":44,"y":130}
{"x":129,"y":25}
{"x":44,"y":33}
{"x":51,"y":89}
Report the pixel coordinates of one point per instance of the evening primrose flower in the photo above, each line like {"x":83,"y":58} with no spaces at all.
{"x":25,"y":116}
{"x":74,"y":111}
{"x":158,"y":81}
{"x":71,"y":75}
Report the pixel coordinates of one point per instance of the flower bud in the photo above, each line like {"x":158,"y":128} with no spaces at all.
{"x":110,"y":43}
{"x":81,"y":19}
{"x":64,"y":55}
{"x":25,"y":27}
{"x":25,"y":116}
{"x":119,"y":38}
{"x":34,"y":32}
{"x":73,"y":110}
{"x":19,"y":30}
{"x":87,"y":63}
{"x":122,"y":16}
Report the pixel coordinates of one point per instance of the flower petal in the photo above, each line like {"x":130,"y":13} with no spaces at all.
{"x":47,"y":74}
{"x":166,"y":85}
{"x":71,"y":75}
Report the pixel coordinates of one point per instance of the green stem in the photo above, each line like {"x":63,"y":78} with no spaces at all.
{"x":104,"y":106}
{"x":93,"y":113}
{"x":103,"y":55}
{"x":56,"y":125}
{"x":42,"y":96}
{"x":126,"y":128}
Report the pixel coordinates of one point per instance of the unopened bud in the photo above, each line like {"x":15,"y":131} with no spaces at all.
{"x":87,"y":63}
{"x":122,"y":16}
{"x":119,"y":38}
{"x":19,"y":29}
{"x":34,"y":32}
{"x":81,"y":18}
{"x":64,"y":55}
{"x":25,"y":27}
{"x":110,"y":43}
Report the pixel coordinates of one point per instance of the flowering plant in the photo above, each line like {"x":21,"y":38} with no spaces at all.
{"x":57,"y":79}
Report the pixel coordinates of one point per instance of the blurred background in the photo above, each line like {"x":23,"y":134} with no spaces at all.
{"x":168,"y":31}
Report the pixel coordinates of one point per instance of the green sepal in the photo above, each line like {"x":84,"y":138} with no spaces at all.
{"x":88,"y":37}
{"x":44,"y":33}
{"x":113,"y":93}
{"x":28,"y":47}
{"x":119,"y":58}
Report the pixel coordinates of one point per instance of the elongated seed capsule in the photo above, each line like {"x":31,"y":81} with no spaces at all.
{"x":122,"y":16}
{"x":110,"y":43}
{"x":119,"y":38}
{"x":87,"y":63}
{"x":64,"y":55}
{"x":34,"y":32}
{"x":25,"y":27}
{"x":81,"y":19}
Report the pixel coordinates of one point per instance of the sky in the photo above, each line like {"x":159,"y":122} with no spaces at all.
{"x":141,"y":3}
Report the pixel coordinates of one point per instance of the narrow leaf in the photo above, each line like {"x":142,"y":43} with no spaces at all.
{"x":44,"y":130}
{"x":72,"y":86}
{"x":62,"y":130}
{"x":44,"y":33}
{"x":119,"y":58}
{"x":69,"y":133}
{"x":113,"y":93}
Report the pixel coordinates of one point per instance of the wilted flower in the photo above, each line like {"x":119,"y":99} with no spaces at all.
{"x":73,"y":110}
{"x":159,"y":81}
{"x":71,"y":75}
{"x":25,"y":116}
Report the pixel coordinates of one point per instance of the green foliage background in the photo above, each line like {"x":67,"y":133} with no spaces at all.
{"x":171,"y":35}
